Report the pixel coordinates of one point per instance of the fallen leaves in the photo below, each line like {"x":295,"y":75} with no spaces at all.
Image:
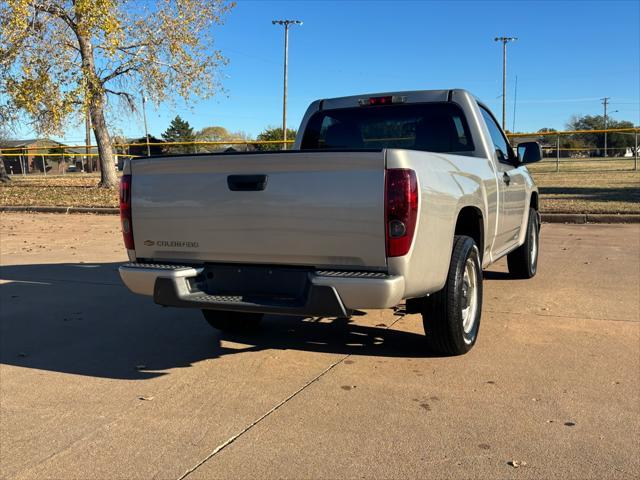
{"x":59,"y":191}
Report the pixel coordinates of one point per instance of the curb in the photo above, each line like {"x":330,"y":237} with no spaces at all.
{"x":95,"y":210}
{"x":575,"y":218}
{"x":580,"y":218}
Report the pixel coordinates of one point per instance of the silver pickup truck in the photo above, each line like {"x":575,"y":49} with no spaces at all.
{"x":383,"y":198}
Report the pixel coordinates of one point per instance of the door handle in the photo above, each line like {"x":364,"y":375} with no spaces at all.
{"x":246,"y":183}
{"x":506,"y":178}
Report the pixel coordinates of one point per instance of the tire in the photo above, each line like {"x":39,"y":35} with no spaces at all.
{"x":233,"y":321}
{"x":523,"y":262}
{"x":451,"y":317}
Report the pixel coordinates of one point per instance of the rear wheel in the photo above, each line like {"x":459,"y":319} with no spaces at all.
{"x":523,"y":262}
{"x":451,"y":317}
{"x":233,"y":321}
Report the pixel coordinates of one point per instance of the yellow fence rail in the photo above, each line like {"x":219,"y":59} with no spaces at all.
{"x":39,"y":148}
{"x":573,"y":132}
{"x":85,"y":152}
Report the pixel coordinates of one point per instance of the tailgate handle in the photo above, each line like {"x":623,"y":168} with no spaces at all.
{"x":247,"y":183}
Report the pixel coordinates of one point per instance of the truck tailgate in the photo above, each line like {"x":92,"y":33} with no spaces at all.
{"x":322,"y":209}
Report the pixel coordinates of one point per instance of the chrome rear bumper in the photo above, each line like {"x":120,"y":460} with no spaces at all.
{"x":325,"y":293}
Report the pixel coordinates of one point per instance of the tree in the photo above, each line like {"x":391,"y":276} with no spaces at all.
{"x":274,"y":133}
{"x":617,"y":142}
{"x":179,"y":131}
{"x":219,"y":134}
{"x":63,"y":58}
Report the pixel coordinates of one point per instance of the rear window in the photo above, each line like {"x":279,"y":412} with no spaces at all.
{"x":434,"y":127}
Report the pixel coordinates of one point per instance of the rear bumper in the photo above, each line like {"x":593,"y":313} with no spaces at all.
{"x":326,"y":293}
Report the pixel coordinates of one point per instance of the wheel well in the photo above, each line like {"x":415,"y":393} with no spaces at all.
{"x":470,"y":223}
{"x":534,"y":201}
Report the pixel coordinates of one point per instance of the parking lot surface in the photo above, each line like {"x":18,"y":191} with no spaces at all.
{"x":97,"y":383}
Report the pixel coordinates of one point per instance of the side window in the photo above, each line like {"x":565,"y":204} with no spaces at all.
{"x":460,"y":130}
{"x":499,"y":141}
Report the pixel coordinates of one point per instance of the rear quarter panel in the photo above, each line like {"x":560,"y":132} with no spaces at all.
{"x":447,"y":183}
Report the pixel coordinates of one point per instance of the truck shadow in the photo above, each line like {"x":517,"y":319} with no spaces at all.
{"x":80,"y":319}
{"x":594,"y":194}
{"x":494,"y":275}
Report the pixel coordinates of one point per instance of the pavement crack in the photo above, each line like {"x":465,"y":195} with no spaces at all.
{"x":556,"y":315}
{"x":232,"y":439}
{"x":57,"y":281}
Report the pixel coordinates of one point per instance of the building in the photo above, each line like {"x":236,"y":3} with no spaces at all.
{"x":25,"y":156}
{"x":83,"y":163}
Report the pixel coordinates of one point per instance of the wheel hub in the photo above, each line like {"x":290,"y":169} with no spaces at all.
{"x":465,"y":293}
{"x":469,"y":295}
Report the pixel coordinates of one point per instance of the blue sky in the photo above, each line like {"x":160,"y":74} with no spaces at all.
{"x":569,"y":55}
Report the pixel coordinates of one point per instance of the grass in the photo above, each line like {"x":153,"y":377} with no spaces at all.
{"x":582,"y":187}
{"x":588,"y":187}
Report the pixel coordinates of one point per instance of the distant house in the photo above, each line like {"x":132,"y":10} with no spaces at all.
{"x":26,"y":155}
{"x":126,"y":147}
{"x":138,"y":146}
{"x":78,"y":157}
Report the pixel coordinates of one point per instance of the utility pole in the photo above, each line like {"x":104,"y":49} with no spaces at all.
{"x":144,"y":116}
{"x":286,"y":24}
{"x":515,"y":102}
{"x":605,"y":102}
{"x":87,"y":140}
{"x":504,"y":41}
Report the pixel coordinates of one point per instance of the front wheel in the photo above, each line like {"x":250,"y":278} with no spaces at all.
{"x":233,"y":321}
{"x":451,"y":317}
{"x":523,"y":261}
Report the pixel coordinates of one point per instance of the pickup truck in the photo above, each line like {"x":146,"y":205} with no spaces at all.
{"x":384,"y":198}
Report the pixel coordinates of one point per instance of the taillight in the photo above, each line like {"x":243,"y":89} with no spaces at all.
{"x":125,"y":212}
{"x":401,"y":206}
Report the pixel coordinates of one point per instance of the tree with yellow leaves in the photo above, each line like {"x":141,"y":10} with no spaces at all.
{"x":60,"y":58}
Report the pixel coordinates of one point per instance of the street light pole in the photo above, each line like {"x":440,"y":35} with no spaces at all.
{"x":286,"y":24}
{"x":504,"y":41}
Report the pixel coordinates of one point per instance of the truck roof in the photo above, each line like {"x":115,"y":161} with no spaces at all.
{"x":412,"y":96}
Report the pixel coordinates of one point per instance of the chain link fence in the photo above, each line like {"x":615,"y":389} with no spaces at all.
{"x":62,"y":159}
{"x":567,"y":151}
{"x":584,"y":150}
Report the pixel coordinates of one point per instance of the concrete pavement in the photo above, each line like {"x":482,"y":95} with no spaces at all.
{"x":96,"y":382}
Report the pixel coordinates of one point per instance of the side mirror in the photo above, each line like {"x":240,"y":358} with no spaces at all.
{"x":529,"y":152}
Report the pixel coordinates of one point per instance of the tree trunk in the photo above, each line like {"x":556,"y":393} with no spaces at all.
{"x":4,"y":178}
{"x":95,"y":101}
{"x":108,"y":177}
